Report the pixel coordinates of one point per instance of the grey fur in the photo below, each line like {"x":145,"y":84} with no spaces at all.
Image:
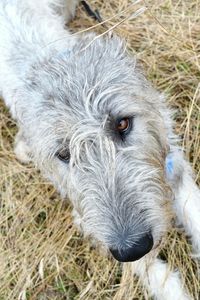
{"x":64,"y":93}
{"x":75,"y":93}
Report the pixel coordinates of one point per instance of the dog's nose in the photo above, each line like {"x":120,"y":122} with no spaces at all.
{"x":136,"y":251}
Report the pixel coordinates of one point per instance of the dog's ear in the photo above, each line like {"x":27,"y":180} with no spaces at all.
{"x":174,"y":163}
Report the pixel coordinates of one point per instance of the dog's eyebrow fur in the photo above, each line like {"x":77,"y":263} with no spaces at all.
{"x":63,"y":143}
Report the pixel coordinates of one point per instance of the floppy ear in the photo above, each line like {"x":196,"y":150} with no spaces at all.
{"x":64,"y":8}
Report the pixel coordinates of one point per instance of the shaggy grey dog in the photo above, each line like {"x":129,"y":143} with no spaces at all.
{"x":97,"y":129}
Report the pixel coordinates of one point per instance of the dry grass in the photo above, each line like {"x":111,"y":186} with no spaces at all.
{"x":41,"y":254}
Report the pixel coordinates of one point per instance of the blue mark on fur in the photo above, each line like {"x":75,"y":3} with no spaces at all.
{"x":169,"y":165}
{"x":64,"y":54}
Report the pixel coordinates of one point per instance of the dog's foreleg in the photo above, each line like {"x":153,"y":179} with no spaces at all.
{"x":161,"y":283}
{"x":187,"y":203}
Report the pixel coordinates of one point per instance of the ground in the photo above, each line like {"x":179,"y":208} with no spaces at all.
{"x":42,"y":256}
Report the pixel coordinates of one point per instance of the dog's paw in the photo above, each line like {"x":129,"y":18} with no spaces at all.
{"x":77,"y":220}
{"x":22,"y":150}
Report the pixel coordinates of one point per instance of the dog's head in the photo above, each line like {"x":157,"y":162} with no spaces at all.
{"x":99,"y":131}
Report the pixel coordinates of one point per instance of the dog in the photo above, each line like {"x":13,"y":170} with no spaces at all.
{"x":99,"y":131}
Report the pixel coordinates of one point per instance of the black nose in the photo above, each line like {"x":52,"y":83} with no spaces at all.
{"x":136,"y":251}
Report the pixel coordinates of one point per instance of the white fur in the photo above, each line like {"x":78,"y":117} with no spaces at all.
{"x":58,"y":91}
{"x":159,"y":280}
{"x":187,"y":207}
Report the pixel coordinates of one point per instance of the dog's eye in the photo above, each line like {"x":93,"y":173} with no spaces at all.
{"x":64,"y":155}
{"x":124,"y":125}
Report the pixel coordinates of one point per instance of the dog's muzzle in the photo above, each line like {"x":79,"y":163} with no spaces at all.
{"x":136,"y":251}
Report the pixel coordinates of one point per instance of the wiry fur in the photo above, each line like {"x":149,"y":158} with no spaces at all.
{"x":65,"y":94}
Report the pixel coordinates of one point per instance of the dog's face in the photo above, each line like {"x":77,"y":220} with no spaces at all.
{"x":96,"y":129}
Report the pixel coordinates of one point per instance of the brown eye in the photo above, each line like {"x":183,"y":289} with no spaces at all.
{"x":64,"y":155}
{"x":123,"y":125}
